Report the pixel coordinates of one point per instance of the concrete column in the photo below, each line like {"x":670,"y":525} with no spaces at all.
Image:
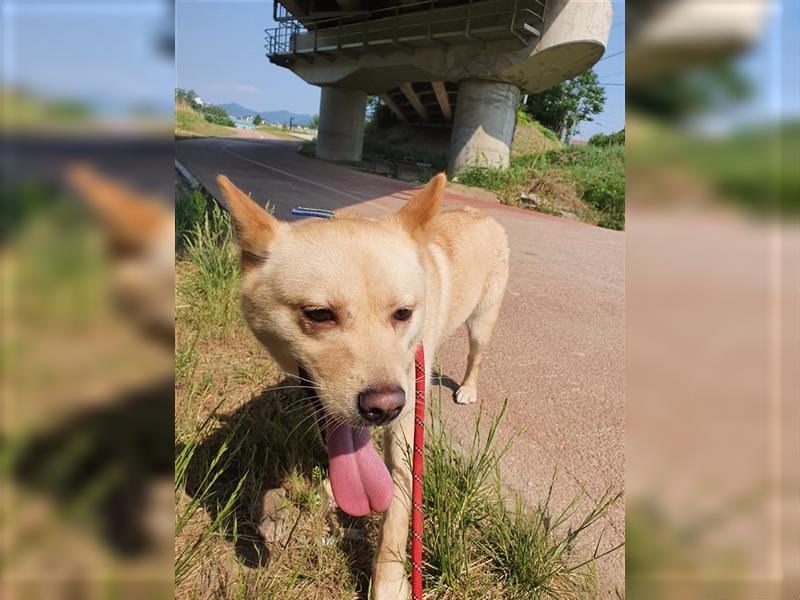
{"x":340,"y":135}
{"x":484,"y":123}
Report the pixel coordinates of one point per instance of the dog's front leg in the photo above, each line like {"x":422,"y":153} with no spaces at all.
{"x":389,"y":577}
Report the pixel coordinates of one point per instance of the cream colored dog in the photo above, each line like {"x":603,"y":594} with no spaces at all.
{"x":345,"y":302}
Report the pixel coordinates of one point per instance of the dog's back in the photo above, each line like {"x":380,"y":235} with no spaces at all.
{"x":474,"y":248}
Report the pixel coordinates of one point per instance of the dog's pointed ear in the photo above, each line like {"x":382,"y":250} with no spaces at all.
{"x":130,"y":219}
{"x":255,"y":228}
{"x":418,"y":212}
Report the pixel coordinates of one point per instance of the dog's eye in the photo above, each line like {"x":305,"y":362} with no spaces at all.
{"x":402,"y":314}
{"x":319,"y":315}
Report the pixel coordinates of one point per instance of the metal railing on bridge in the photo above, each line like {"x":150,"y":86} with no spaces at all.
{"x":405,"y":27}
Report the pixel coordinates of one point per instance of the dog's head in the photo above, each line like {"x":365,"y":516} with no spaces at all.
{"x":343,"y":299}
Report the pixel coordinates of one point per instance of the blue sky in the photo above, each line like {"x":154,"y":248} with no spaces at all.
{"x":103,"y":52}
{"x":611,"y":73}
{"x":220,"y":55}
{"x":106,"y":52}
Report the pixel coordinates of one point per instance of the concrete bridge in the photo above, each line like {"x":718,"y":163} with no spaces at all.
{"x":463,"y":63}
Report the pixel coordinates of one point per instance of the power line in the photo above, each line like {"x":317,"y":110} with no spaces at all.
{"x":611,"y":56}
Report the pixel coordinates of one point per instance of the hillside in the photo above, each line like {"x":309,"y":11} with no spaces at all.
{"x":190,"y":123}
{"x":270,"y":116}
{"x":531,"y":137}
{"x":237,"y":110}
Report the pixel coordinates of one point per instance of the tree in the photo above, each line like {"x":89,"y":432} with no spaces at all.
{"x":602,"y":139}
{"x":257,"y":120}
{"x":186,"y":97}
{"x":314,"y":123}
{"x":568,"y":104}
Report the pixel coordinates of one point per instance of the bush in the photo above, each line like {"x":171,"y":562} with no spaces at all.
{"x":216,"y":115}
{"x":597,"y":175}
{"x":438,"y":162}
{"x":308,"y":148}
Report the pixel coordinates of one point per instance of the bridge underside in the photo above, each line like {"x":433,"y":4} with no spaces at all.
{"x":421,"y":57}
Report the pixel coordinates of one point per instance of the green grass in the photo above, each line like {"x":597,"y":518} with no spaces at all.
{"x":189,"y":122}
{"x":206,"y":244}
{"x":244,"y":432}
{"x":588,"y":181}
{"x":752,"y":168}
{"x":279,"y":131}
{"x":756,"y":167}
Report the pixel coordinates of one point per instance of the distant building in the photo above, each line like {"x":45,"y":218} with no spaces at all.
{"x":242,"y":123}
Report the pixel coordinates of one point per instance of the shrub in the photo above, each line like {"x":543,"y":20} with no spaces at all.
{"x":217,"y":115}
{"x":190,"y":208}
{"x":308,"y":148}
{"x":562,"y":177}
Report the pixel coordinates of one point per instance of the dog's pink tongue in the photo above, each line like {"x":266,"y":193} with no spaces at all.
{"x":360,"y":480}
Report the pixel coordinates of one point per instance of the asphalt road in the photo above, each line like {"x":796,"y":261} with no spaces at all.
{"x":558,"y":353}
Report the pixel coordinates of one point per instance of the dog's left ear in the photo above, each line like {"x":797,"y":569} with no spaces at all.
{"x":419,"y":211}
{"x":255,"y":228}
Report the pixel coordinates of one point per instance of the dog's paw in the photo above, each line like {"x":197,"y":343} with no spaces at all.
{"x":466,"y":395}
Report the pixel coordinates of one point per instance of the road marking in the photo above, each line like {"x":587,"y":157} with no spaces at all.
{"x":305,"y":180}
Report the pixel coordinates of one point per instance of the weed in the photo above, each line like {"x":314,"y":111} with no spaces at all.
{"x":190,"y":208}
{"x":587,"y":181}
{"x":471,"y":534}
{"x":210,"y":288}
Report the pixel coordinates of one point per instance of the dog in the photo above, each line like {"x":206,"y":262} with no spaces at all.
{"x":344,"y":303}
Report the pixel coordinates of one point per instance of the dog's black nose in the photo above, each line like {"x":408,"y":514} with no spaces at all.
{"x":381,"y":405}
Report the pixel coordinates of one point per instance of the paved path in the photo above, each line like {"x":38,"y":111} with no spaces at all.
{"x":558,"y":350}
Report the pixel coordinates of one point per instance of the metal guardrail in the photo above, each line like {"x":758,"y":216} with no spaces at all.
{"x":524,"y":19}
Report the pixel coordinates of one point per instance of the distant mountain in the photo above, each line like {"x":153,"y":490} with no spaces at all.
{"x":270,"y":116}
{"x":237,"y":110}
{"x":283,"y":116}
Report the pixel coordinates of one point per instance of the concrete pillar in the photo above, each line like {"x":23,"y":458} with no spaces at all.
{"x":340,"y":134}
{"x":484,"y":123}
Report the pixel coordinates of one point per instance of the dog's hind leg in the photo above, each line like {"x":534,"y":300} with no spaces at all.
{"x":480,"y":325}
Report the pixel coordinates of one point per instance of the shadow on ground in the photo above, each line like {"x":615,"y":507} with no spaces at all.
{"x":252,"y":453}
{"x":255,"y":449}
{"x":98,"y":466}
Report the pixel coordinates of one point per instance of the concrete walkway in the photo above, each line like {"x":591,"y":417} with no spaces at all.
{"x":558,"y":352}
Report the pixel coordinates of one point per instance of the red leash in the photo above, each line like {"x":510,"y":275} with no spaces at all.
{"x":417,"y":466}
